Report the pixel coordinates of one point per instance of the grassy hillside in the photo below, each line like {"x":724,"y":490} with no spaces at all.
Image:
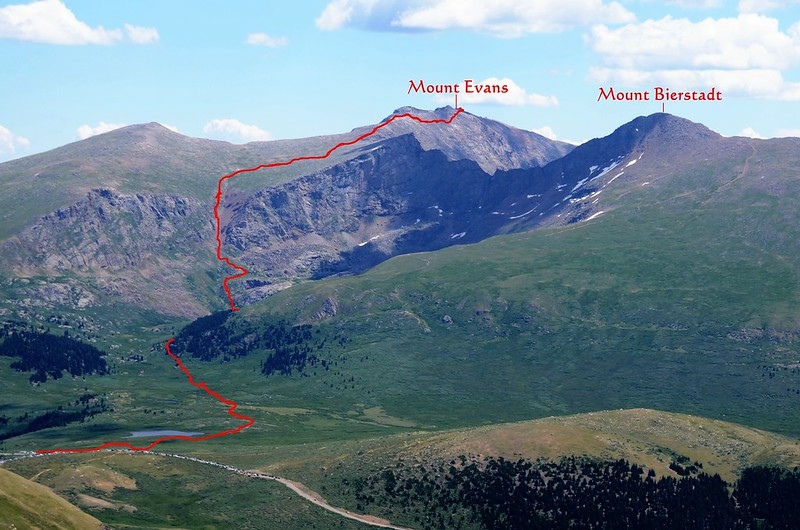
{"x":649,"y":438}
{"x":148,"y":491}
{"x":26,"y":504}
{"x":573,"y":320}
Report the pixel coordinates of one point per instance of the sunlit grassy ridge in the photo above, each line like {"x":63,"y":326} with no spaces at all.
{"x":26,"y":504}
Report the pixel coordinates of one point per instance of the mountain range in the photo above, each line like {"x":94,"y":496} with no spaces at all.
{"x":124,"y":217}
{"x":429,"y":284}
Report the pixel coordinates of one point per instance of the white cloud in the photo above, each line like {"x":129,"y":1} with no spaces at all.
{"x":768,"y":84}
{"x":547,"y":132}
{"x":502,"y":18}
{"x":140,"y":35}
{"x":170,"y":127}
{"x":86,"y":131}
{"x":233,"y":130}
{"x":52,"y":22}
{"x":781,"y":133}
{"x":262,"y":39}
{"x":696,"y":4}
{"x":10,"y":142}
{"x":515,"y":96}
{"x":339,"y":13}
{"x":743,"y":55}
{"x":762,"y":6}
{"x":750,"y":133}
{"x":748,"y":41}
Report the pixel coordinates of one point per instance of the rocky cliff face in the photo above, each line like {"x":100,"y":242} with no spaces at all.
{"x":112,"y":231}
{"x":132,"y":248}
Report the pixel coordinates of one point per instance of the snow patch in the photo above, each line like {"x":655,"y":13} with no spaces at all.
{"x":579,"y":184}
{"x":595,"y":215}
{"x":531,"y":196}
{"x":615,"y":177}
{"x":524,"y":214}
{"x":373,"y":238}
{"x":458,"y":236}
{"x":632,"y":162}
{"x":607,"y":169}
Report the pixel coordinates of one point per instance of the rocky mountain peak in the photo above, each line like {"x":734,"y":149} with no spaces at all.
{"x":663,"y":128}
{"x":493,"y":145}
{"x":441,"y":113}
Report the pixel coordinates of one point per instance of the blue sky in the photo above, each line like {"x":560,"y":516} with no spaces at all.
{"x":254,"y":70}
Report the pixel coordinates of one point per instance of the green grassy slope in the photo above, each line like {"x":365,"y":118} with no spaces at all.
{"x":150,"y":492}
{"x":26,"y":504}
{"x":652,"y":439}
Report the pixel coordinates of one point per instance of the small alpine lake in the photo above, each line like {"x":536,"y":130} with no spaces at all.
{"x":161,"y":432}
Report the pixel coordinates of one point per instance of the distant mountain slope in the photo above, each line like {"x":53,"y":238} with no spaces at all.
{"x":26,"y":504}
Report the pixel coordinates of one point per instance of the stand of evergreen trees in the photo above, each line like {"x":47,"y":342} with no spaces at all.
{"x":48,"y":355}
{"x":87,"y":406}
{"x":580,"y":493}
{"x":289,"y":348}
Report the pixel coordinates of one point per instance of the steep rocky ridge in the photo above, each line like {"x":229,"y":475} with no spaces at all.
{"x":661,"y":152}
{"x":112,"y":231}
{"x":395,"y":198}
{"x":493,"y":145}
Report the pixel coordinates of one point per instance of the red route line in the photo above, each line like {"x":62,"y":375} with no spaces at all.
{"x":202,"y":385}
{"x":241,"y":272}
